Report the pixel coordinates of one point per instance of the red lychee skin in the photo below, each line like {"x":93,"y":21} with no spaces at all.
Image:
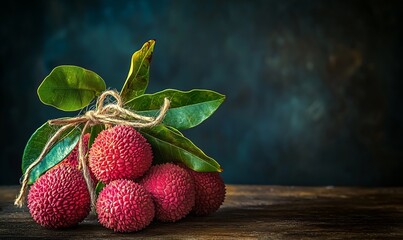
{"x":72,"y":158}
{"x":59,"y":198}
{"x":119,"y":153}
{"x":125,"y":206}
{"x":172,"y":189}
{"x":209,"y":189}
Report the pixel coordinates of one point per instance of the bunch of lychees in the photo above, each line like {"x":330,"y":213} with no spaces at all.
{"x":135,"y":192}
{"x":131,"y":152}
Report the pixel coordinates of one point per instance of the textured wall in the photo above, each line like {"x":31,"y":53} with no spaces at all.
{"x":313,"y":87}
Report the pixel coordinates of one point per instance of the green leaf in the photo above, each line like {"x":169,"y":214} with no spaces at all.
{"x":169,"y":146}
{"x":139,"y":73}
{"x":95,"y":130}
{"x":99,"y":187}
{"x":70,"y":88}
{"x":59,"y":151}
{"x":188,"y":109}
{"x":175,"y":130}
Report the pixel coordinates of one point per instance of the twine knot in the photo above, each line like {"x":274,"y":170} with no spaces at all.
{"x":91,"y":116}
{"x":107,"y":114}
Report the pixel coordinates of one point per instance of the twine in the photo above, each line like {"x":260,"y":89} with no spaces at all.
{"x":110,"y":114}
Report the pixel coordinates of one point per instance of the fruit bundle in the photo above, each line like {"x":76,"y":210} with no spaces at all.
{"x":128,"y":158}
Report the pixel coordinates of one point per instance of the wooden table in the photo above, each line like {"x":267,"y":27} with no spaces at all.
{"x":249,"y":212}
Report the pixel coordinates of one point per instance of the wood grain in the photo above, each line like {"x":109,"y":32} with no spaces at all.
{"x":249,"y":212}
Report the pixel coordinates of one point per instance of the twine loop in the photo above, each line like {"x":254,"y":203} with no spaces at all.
{"x":106,"y":114}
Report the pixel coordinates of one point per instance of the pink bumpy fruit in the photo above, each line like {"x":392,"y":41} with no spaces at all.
{"x":59,"y":198}
{"x":119,"y":153}
{"x":172,"y":190}
{"x":125,"y":206}
{"x":210,"y":191}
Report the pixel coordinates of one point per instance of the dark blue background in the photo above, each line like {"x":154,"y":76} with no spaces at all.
{"x":314,"y":88}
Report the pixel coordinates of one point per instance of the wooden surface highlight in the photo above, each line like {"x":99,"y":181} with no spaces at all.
{"x":249,"y":212}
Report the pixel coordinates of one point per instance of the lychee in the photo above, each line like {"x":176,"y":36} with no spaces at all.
{"x":172,"y":190}
{"x":72,"y":158}
{"x":209,"y":189}
{"x":125,"y":206}
{"x":119,"y":153}
{"x":59,"y":198}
